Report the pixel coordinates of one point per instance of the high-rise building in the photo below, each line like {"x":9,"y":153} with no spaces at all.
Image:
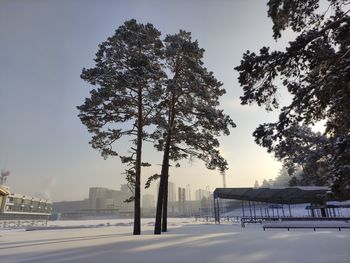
{"x":126,"y":193}
{"x":171,"y":192}
{"x":96,"y":193}
{"x":200,"y":193}
{"x":182,"y":200}
{"x":104,"y":198}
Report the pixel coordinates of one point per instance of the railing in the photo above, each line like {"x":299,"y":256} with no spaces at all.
{"x":22,"y":219}
{"x":11,"y":224}
{"x":229,"y":219}
{"x":307,"y":227}
{"x":259,"y":220}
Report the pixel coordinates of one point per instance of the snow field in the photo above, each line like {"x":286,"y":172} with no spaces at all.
{"x":186,"y":241}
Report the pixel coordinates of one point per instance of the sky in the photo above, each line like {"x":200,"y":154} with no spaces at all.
{"x":45,"y":44}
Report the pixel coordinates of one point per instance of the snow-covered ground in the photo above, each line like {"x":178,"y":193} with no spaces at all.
{"x":186,"y":241}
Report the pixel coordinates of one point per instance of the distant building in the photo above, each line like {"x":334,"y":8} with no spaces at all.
{"x":22,"y":207}
{"x":148,"y":201}
{"x":182,"y":200}
{"x":101,"y":198}
{"x":126,"y":207}
{"x":171,"y":192}
{"x":70,"y":206}
{"x":101,"y":203}
{"x":200,"y":193}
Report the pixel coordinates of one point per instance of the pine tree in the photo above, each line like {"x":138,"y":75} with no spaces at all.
{"x":315,"y":69}
{"x":190,"y":121}
{"x":128,"y":75}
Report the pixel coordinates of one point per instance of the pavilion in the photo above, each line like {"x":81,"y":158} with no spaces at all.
{"x":316,"y":196}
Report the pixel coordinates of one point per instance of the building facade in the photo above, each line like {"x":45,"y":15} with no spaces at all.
{"x":101,"y":198}
{"x":17,"y":206}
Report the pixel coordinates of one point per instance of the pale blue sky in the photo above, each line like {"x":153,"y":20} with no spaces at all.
{"x":45,"y":44}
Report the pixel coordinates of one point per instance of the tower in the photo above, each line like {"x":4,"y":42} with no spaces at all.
{"x":224,"y":180}
{"x":3,"y":177}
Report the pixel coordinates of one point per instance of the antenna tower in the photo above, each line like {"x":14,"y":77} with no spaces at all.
{"x":3,"y":177}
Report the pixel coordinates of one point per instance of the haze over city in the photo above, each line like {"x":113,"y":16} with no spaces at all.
{"x":45,"y":45}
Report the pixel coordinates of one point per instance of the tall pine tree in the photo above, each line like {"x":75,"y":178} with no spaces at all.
{"x":128,"y":75}
{"x":189,"y":121}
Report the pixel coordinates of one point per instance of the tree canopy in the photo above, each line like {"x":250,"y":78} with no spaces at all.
{"x":315,"y":69}
{"x":190,"y":105}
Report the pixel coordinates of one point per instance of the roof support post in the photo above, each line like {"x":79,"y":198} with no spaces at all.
{"x":243,"y":208}
{"x":250,"y":210}
{"x":215,"y":215}
{"x":254,"y":210}
{"x":216,"y":210}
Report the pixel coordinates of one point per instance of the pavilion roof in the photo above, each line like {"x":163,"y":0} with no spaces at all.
{"x":284,"y":195}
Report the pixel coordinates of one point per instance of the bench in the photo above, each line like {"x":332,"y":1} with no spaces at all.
{"x":307,"y":225}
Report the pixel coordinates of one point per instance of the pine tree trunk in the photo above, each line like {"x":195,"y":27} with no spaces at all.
{"x":137,"y":202}
{"x":161,"y":192}
{"x":163,"y":184}
{"x":165,"y":200}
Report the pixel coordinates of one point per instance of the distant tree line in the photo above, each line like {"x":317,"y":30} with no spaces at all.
{"x":298,"y":178}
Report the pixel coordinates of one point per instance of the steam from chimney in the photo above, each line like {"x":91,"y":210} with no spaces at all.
{"x":49,"y":185}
